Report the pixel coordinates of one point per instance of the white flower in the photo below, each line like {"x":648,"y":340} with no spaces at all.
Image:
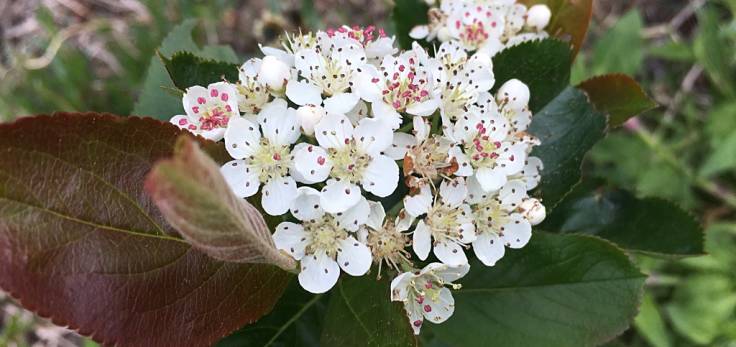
{"x":461,"y":78}
{"x":537,"y":17}
{"x":263,"y":159}
{"x":449,"y":222}
{"x":274,"y":73}
{"x":533,"y":211}
{"x":208,"y":110}
{"x":252,"y":95}
{"x":488,"y":149}
{"x":323,"y":242}
{"x":375,"y":41}
{"x":401,"y":84}
{"x":386,"y":239}
{"x":478,"y":27}
{"x":349,"y":157}
{"x":425,"y":295}
{"x":309,"y":116}
{"x":498,"y":220}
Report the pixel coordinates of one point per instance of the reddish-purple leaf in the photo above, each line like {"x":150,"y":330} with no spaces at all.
{"x":570,"y":19}
{"x":617,"y":95}
{"x":81,"y":242}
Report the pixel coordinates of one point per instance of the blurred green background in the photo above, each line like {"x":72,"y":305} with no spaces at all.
{"x":93,"y":55}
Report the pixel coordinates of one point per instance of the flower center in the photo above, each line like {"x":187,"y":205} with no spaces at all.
{"x":490,"y":216}
{"x":474,"y":34}
{"x":443,"y":221}
{"x":349,"y":162}
{"x":483,"y":151}
{"x":324,"y":235}
{"x":333,"y":79}
{"x":389,"y":245}
{"x":428,"y":157}
{"x":252,"y":96}
{"x":404,"y":87}
{"x":272,"y":160}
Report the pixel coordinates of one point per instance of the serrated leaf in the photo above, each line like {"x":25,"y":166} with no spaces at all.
{"x":82,"y":243}
{"x":361,"y":314}
{"x":186,"y":70}
{"x":195,"y":199}
{"x":568,"y":128}
{"x":544,"y":65}
{"x":650,"y":325}
{"x":620,"y":49}
{"x":570,"y":19}
{"x":296,"y":321}
{"x":618,"y":95}
{"x":560,"y":290}
{"x":648,"y":225}
{"x":406,"y":15}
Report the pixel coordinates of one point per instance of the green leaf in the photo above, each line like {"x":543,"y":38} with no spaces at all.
{"x":83,"y":244}
{"x":617,"y":95}
{"x":187,"y":70}
{"x":195,"y":199}
{"x":295,"y":321}
{"x":721,"y":123}
{"x":722,"y":158}
{"x":544,"y":65}
{"x":568,"y":128}
{"x":406,"y":15}
{"x":361,"y":314}
{"x":713,"y":52}
{"x":674,"y":51}
{"x":648,"y":225}
{"x":650,"y":325}
{"x":620,"y":49}
{"x":570,"y":19}
{"x":560,"y":290}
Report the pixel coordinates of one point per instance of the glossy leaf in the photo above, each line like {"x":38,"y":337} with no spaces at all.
{"x":196,"y":200}
{"x":568,"y":128}
{"x":560,"y":290}
{"x":617,"y":95}
{"x":83,"y":244}
{"x":406,"y":15}
{"x":361,"y":314}
{"x":296,"y":321}
{"x":570,"y":19}
{"x":544,"y":65}
{"x":648,"y":225}
{"x":186,"y":70}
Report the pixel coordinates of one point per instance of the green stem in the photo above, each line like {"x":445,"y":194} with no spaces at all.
{"x":293,"y":319}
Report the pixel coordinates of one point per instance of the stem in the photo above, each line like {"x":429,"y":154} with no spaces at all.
{"x":293,"y":319}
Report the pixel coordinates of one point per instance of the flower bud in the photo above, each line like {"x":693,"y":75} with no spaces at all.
{"x":513,"y":94}
{"x":309,"y":116}
{"x":274,"y":73}
{"x":533,"y":211}
{"x":538,"y":17}
{"x":444,"y":35}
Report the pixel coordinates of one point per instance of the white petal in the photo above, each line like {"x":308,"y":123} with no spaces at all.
{"x":377,"y":215}
{"x":184,"y":122}
{"x":514,"y":94}
{"x":512,"y":193}
{"x":512,"y":161}
{"x":281,"y":54}
{"x":368,"y":83}
{"x":421,"y":128}
{"x":419,"y":32}
{"x":303,"y":93}
{"x":354,"y":217}
{"x":319,"y":273}
{"x":424,"y":108}
{"x":532,"y":171}
{"x":278,"y":195}
{"x":489,"y":248}
{"x":400,"y":285}
{"x":419,"y":204}
{"x":241,"y":177}
{"x":401,"y":144}
{"x":440,"y":310}
{"x":291,"y":238}
{"x":306,"y":204}
{"x":450,"y":253}
{"x":447,"y":273}
{"x":341,"y":103}
{"x":476,"y":194}
{"x":422,"y":240}
{"x":339,"y":196}
{"x":373,"y":136}
{"x":312,"y":162}
{"x":386,"y":114}
{"x":381,"y":177}
{"x":334,"y":131}
{"x":280,"y":124}
{"x":517,"y":232}
{"x":354,"y":257}
{"x":215,"y":134}
{"x":464,"y":169}
{"x":467,"y":229}
{"x":242,"y":138}
{"x":453,"y":192}
{"x":414,"y":312}
{"x":194,"y":99}
{"x":359,"y":112}
{"x":491,"y":179}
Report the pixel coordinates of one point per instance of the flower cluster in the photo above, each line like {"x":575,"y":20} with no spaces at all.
{"x":319,"y":129}
{"x":486,"y":26}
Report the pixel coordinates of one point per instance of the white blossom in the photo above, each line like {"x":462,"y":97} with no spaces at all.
{"x":208,"y":110}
